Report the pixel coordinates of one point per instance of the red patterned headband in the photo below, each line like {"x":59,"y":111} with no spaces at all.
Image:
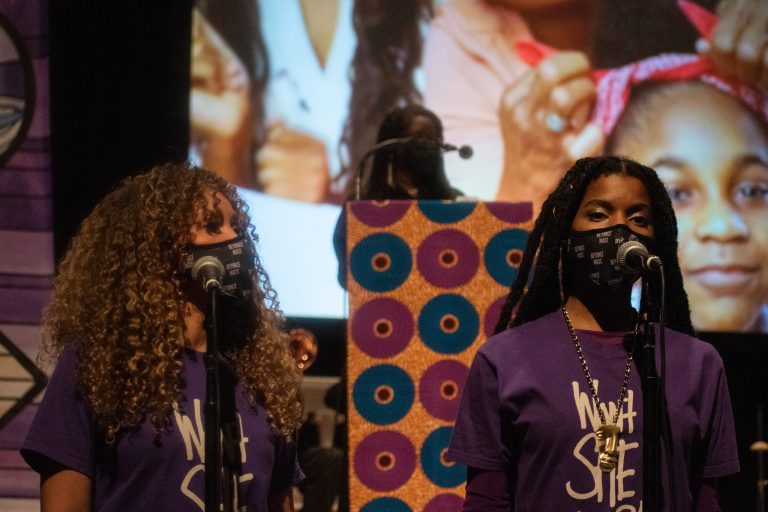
{"x":615,"y":85}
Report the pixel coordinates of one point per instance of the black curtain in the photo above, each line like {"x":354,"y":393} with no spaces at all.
{"x":119,"y":97}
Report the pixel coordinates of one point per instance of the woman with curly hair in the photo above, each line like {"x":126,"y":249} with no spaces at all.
{"x":537,"y":427}
{"x":120,"y":427}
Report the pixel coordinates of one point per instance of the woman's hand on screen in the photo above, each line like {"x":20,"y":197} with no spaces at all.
{"x":293,"y":165}
{"x":220,"y":109}
{"x":739,"y":43}
{"x":545,"y":125}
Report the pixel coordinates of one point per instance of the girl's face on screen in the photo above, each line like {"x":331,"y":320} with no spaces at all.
{"x":712,"y":155}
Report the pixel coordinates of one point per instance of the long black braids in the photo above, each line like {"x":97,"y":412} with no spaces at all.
{"x":543,"y":292}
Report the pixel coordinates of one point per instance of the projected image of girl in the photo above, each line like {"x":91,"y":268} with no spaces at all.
{"x":528,"y":115}
{"x":714,"y":164}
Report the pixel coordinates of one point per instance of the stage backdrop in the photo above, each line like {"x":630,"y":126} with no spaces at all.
{"x":287,"y":96}
{"x":26,"y":241}
{"x":426,"y":284}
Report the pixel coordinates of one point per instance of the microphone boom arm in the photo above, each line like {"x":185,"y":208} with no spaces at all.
{"x":382,"y":144}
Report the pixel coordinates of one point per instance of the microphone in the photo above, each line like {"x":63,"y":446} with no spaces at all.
{"x":464,"y":151}
{"x":634,"y":258}
{"x":209,"y":269}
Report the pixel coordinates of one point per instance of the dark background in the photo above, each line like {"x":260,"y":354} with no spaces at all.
{"x":120,"y":104}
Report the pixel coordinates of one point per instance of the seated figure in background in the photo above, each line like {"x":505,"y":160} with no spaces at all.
{"x":412,"y":169}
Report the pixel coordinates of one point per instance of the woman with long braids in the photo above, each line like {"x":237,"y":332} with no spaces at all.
{"x":411,"y":170}
{"x":121,"y":425}
{"x":551,"y":414}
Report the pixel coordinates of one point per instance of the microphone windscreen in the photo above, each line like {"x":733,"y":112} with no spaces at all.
{"x":625,"y":249}
{"x":209,"y":267}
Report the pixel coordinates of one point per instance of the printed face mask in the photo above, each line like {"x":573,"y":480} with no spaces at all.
{"x":236,"y":312}
{"x":593,"y":253}
{"x":239,"y":267}
{"x":238,"y":261}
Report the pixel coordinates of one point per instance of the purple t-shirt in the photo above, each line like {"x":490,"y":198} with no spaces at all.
{"x":141,"y":474}
{"x":526,"y":409}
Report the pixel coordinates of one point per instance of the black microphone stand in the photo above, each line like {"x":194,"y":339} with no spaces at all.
{"x":212,"y":409}
{"x":654,"y":405}
{"x":651,"y":406}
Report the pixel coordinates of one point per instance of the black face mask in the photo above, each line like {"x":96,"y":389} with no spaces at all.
{"x":423,"y":158}
{"x":238,"y":261}
{"x":236,"y":310}
{"x":593,"y":253}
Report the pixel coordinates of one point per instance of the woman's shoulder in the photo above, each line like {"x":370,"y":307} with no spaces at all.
{"x":530,"y":336}
{"x":67,"y":362}
{"x":692,"y":350}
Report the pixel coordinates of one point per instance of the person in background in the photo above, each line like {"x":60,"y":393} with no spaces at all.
{"x":412,"y":169}
{"x":120,"y":426}
{"x":324,"y":467}
{"x":550,"y":415}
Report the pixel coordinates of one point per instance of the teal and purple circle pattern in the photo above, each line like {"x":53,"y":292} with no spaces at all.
{"x":448,"y":258}
{"x":444,"y":212}
{"x":382,"y":328}
{"x":438,"y":469}
{"x":379,"y":214}
{"x":384,"y":460}
{"x":513,"y":213}
{"x":383,"y":394}
{"x":448,"y":324}
{"x":503,"y":254}
{"x":387,"y":504}
{"x":444,"y":503}
{"x":381,"y":262}
{"x":440,"y":388}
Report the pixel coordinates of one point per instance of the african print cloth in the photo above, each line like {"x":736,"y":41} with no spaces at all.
{"x":426,"y":284}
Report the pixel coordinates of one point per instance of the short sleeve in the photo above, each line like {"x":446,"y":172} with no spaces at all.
{"x":721,"y":456}
{"x":286,"y":470}
{"x":63,"y":428}
{"x":477,"y":435}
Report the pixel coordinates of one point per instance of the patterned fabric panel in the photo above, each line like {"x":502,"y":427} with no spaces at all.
{"x":426,"y":283}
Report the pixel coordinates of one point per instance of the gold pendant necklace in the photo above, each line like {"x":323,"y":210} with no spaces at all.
{"x":607,"y":434}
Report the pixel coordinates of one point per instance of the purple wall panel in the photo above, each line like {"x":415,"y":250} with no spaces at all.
{"x":26,"y":254}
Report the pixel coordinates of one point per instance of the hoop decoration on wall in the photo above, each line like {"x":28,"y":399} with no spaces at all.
{"x":17,"y":90}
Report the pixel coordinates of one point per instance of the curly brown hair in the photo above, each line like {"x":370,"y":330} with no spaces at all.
{"x":118,"y":300}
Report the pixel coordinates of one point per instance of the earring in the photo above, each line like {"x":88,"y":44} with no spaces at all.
{"x":390,"y":175}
